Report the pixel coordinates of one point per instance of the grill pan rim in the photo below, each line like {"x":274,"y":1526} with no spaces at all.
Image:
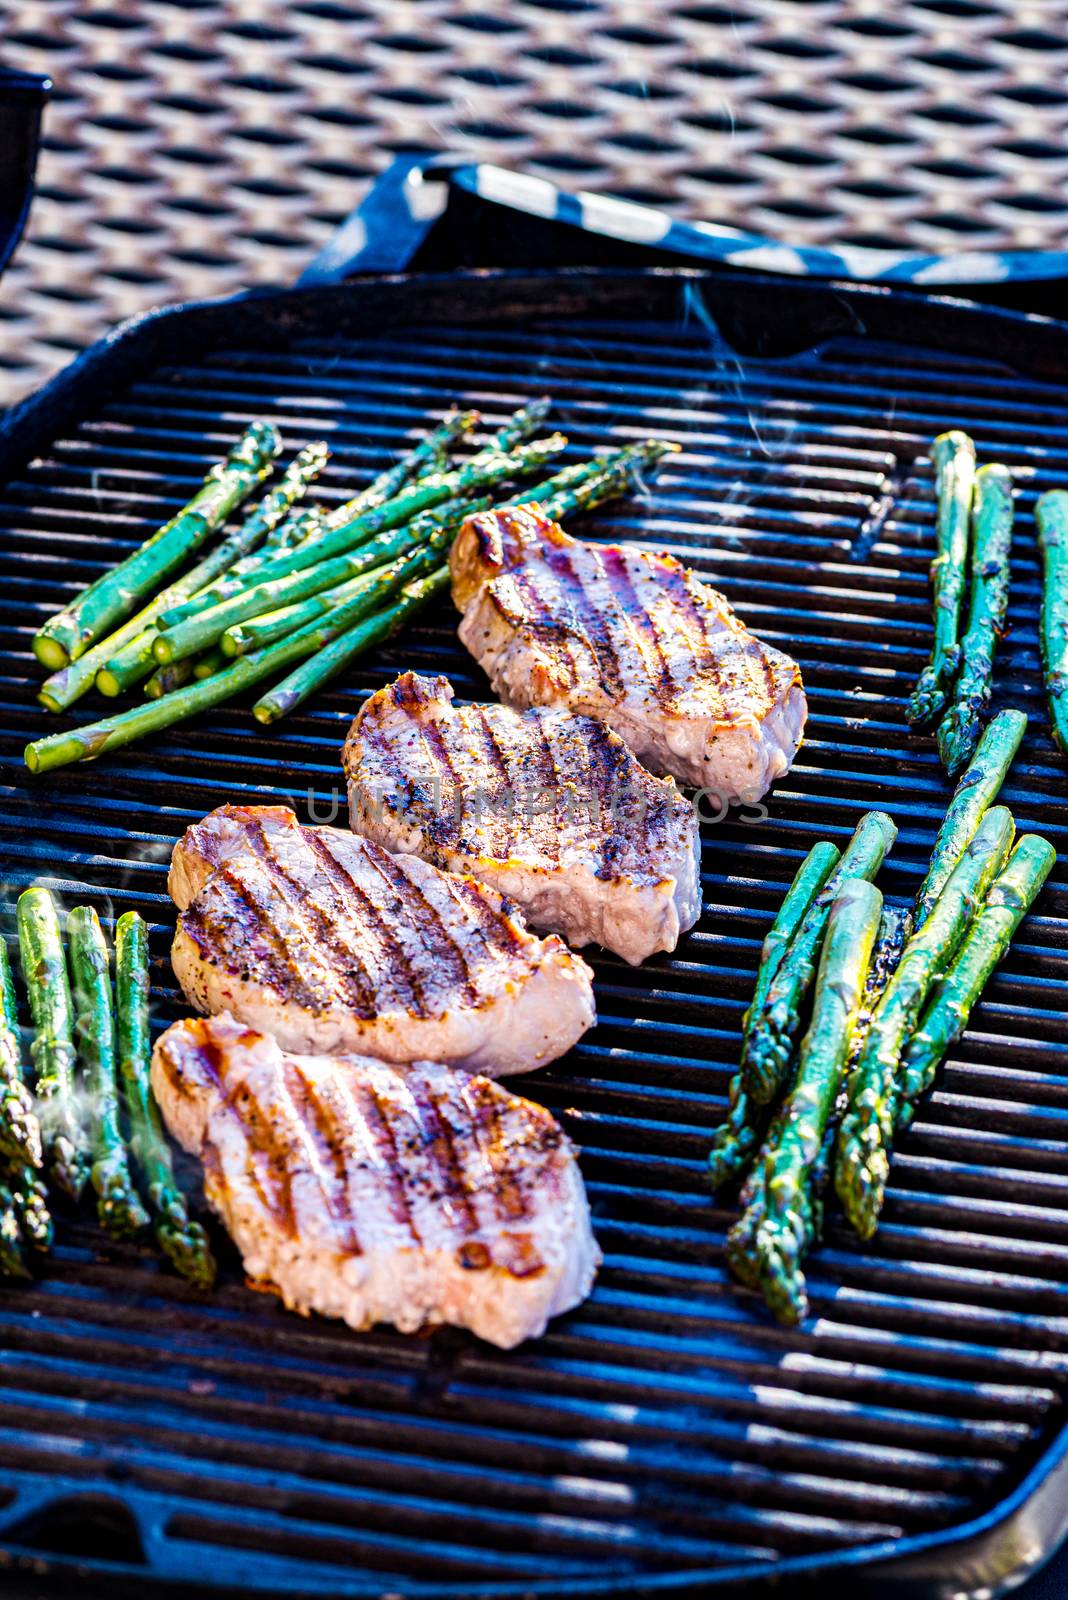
{"x":893,"y":1568}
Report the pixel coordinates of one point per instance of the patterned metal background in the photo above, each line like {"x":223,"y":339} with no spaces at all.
{"x":197,"y":146}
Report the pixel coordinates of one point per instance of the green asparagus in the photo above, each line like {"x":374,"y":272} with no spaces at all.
{"x":204,"y":666}
{"x":423,"y":460}
{"x":737,"y":1136}
{"x":866,"y":1131}
{"x":12,"y":1260}
{"x":23,"y":1143}
{"x":29,"y":1197}
{"x":958,"y":732}
{"x":69,"y":633}
{"x":954,"y":458}
{"x":166,"y":679}
{"x":976,"y":790}
{"x":1051,"y":514}
{"x":1008,"y":902}
{"x":772,"y":1030}
{"x":20,"y":1131}
{"x":786,"y":1230}
{"x":327,"y":663}
{"x":359,"y":572}
{"x":427,"y":493}
{"x":111,"y":733}
{"x":44,"y":970}
{"x":118,"y":1204}
{"x":182,"y":1241}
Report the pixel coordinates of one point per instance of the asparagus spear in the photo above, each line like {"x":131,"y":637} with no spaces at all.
{"x":1011,"y":897}
{"x":166,"y":679}
{"x":954,"y":458}
{"x":428,"y":492}
{"x":771,"y":1031}
{"x":118,"y":1205}
{"x":69,"y":633}
{"x":210,"y":662}
{"x":134,"y":659}
{"x":737,"y":1136}
{"x":12,"y":1260}
{"x":44,"y":969}
{"x":1051,"y":514}
{"x":29,"y":1196}
{"x":23,"y":1144}
{"x":977,"y":789}
{"x":110,"y":733}
{"x":182,"y":1241}
{"x":327,"y":663}
{"x":788,"y":1224}
{"x":430,"y":531}
{"x":20,"y":1132}
{"x":958,"y":732}
{"x":423,"y":459}
{"x":866,"y":1131}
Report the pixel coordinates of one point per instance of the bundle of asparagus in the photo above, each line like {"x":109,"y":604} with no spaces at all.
{"x":84,"y":1053}
{"x":886,"y":1007}
{"x":296,"y":586}
{"x":975,"y":514}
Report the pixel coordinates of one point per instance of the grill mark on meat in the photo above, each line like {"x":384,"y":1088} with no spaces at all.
{"x":593,"y":624}
{"x":642,"y":624}
{"x":512,"y":1203}
{"x":402,"y":974}
{"x":490,"y":765}
{"x":492,"y":925}
{"x":265,"y":1149}
{"x":379,"y":1119}
{"x":328,"y":1142}
{"x":213,"y":930}
{"x":394,"y":876}
{"x":354,"y":986}
{"x":452,"y":1184}
{"x":607,"y":768}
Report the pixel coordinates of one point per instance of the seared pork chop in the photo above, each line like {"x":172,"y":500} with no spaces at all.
{"x":377,"y":1194}
{"x":550,"y":808}
{"x":632,"y":637}
{"x":330,"y":943}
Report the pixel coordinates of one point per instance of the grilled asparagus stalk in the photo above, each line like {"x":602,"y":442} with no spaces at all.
{"x":945,"y":1019}
{"x":977,"y":789}
{"x":866,"y":1132}
{"x":958,"y":732}
{"x":737,"y":1136}
{"x":772,"y":1030}
{"x":20,"y":1131}
{"x":44,"y":969}
{"x":12,"y":1259}
{"x":23,"y":1145}
{"x":136,"y":660}
{"x":481,"y":472}
{"x":182,"y":1240}
{"x":69,"y":633}
{"x":111,"y":733}
{"x":954,"y":458}
{"x":788,"y":1225}
{"x":1051,"y":514}
{"x":118,"y":1205}
{"x":328,"y":662}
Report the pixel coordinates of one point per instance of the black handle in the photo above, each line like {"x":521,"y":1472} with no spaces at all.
{"x":436,"y":213}
{"x":22,"y":98}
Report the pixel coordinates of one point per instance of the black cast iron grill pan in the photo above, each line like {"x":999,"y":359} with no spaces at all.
{"x":666,"y":1437}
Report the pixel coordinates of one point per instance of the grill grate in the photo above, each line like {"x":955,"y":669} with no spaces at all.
{"x":666,"y":1426}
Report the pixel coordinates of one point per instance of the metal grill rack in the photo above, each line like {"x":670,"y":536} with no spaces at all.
{"x":666,"y":1434}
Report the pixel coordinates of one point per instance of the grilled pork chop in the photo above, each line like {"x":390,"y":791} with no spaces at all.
{"x":550,"y":808}
{"x":632,"y":637}
{"x":380,"y":1195}
{"x":330,"y":943}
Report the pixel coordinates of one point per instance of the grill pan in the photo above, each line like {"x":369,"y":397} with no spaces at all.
{"x":666,"y":1438}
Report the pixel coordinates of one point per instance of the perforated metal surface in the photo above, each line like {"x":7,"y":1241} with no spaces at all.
{"x":667,"y":1425}
{"x":197,"y":146}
